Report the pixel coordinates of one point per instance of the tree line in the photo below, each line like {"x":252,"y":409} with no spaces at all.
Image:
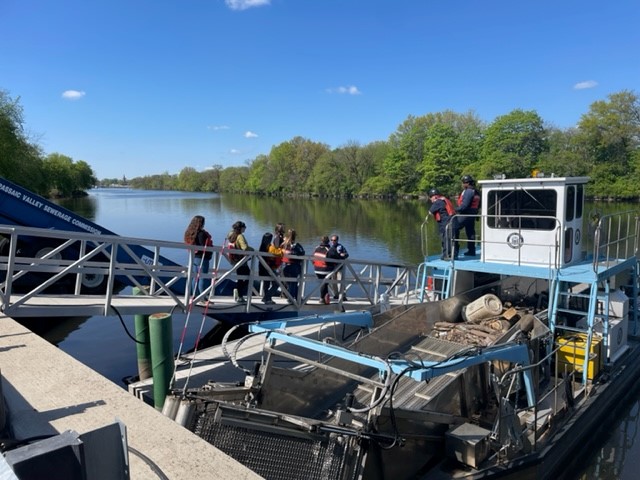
{"x":22,"y":160}
{"x":433,"y":150}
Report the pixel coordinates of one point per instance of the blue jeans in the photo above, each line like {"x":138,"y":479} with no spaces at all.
{"x":200,"y":266}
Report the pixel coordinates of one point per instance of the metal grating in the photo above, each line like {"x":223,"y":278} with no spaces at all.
{"x":277,"y":455}
{"x":414,"y":395}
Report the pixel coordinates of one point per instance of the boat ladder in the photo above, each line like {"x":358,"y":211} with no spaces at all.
{"x":434,"y":283}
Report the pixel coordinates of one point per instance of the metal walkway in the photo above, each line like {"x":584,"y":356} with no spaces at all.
{"x":83,"y":274}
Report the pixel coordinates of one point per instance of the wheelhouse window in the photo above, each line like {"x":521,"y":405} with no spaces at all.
{"x":579,"y":200}
{"x":571,"y":202}
{"x":522,"y":209}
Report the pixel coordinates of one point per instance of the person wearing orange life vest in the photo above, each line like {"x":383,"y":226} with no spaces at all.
{"x":468,"y":206}
{"x":443,"y":212}
{"x":322,"y":268}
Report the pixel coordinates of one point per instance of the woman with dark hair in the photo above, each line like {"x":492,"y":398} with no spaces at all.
{"x":237,"y":241}
{"x":195,"y":234}
{"x":292,"y":266}
{"x":269,"y":287}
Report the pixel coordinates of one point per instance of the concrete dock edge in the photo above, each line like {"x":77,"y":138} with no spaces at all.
{"x":48,"y":392}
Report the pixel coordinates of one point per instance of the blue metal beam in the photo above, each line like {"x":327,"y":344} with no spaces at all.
{"x":359,"y":319}
{"x":516,"y":353}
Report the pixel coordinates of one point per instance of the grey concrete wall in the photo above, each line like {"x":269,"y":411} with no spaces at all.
{"x":48,"y":392}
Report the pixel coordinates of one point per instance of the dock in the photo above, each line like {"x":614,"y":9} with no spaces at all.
{"x":48,"y":392}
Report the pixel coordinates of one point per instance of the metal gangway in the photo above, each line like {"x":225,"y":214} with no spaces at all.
{"x":86,"y":274}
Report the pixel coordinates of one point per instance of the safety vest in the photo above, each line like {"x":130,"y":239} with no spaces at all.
{"x":320,"y":255}
{"x":320,"y":259}
{"x":475,"y":202}
{"x":447,"y":205}
{"x":292,"y":250}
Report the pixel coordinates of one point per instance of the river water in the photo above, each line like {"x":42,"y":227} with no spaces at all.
{"x":387,"y":231}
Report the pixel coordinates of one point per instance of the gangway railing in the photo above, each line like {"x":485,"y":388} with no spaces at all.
{"x":103,"y":266}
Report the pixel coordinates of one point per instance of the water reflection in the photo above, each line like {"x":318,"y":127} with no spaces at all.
{"x":617,"y":458}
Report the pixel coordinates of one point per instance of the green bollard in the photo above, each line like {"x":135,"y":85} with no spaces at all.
{"x":161,"y":335}
{"x":143,"y":346}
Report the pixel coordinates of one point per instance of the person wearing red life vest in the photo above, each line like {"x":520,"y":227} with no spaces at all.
{"x":468,"y":206}
{"x":322,"y":268}
{"x":443,"y":212}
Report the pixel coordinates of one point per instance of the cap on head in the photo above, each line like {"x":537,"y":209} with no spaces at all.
{"x":433,"y":191}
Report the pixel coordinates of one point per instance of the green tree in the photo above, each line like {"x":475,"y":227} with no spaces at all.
{"x":20,"y":160}
{"x":211,"y":179}
{"x":256,"y":178}
{"x":371,"y":159}
{"x":610,"y":132}
{"x":189,"y":180}
{"x":59,"y":172}
{"x":513,"y":144}
{"x":83,"y":176}
{"x":566,"y":155}
{"x":234,"y":179}
{"x":407,"y":146}
{"x":328,"y":177}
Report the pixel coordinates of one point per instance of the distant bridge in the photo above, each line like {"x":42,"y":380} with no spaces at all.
{"x":83,"y":274}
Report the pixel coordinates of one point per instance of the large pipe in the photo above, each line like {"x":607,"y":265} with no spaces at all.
{"x":143,"y":345}
{"x":161,"y":335}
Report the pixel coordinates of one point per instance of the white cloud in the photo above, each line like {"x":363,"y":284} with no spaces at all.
{"x":250,"y":134}
{"x":234,"y":151}
{"x":215,"y":128}
{"x":584,"y":85}
{"x":73,"y":94}
{"x":350,"y":90}
{"x":245,"y":4}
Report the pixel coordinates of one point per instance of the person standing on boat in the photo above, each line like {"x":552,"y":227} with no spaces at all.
{"x":338,"y":252}
{"x":322,"y":268}
{"x":269,"y":287}
{"x":443,"y":212}
{"x":195,"y":234}
{"x":238,"y":241}
{"x":292,"y":266}
{"x":468,"y":206}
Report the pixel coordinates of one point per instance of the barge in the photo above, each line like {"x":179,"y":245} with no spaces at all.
{"x":509,"y":366}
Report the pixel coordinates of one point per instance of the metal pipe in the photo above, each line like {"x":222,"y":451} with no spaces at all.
{"x":185,"y":413}
{"x":161,"y":336}
{"x":143,"y":344}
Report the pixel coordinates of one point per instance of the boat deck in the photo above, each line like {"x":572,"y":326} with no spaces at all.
{"x":583,"y":272}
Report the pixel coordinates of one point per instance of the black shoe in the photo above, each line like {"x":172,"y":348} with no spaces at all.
{"x":469,"y":254}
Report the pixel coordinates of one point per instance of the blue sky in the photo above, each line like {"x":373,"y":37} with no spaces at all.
{"x":140,"y":87}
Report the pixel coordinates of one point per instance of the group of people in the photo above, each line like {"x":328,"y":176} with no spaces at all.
{"x":282,"y":246}
{"x":453,"y":219}
{"x":324,"y":264}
